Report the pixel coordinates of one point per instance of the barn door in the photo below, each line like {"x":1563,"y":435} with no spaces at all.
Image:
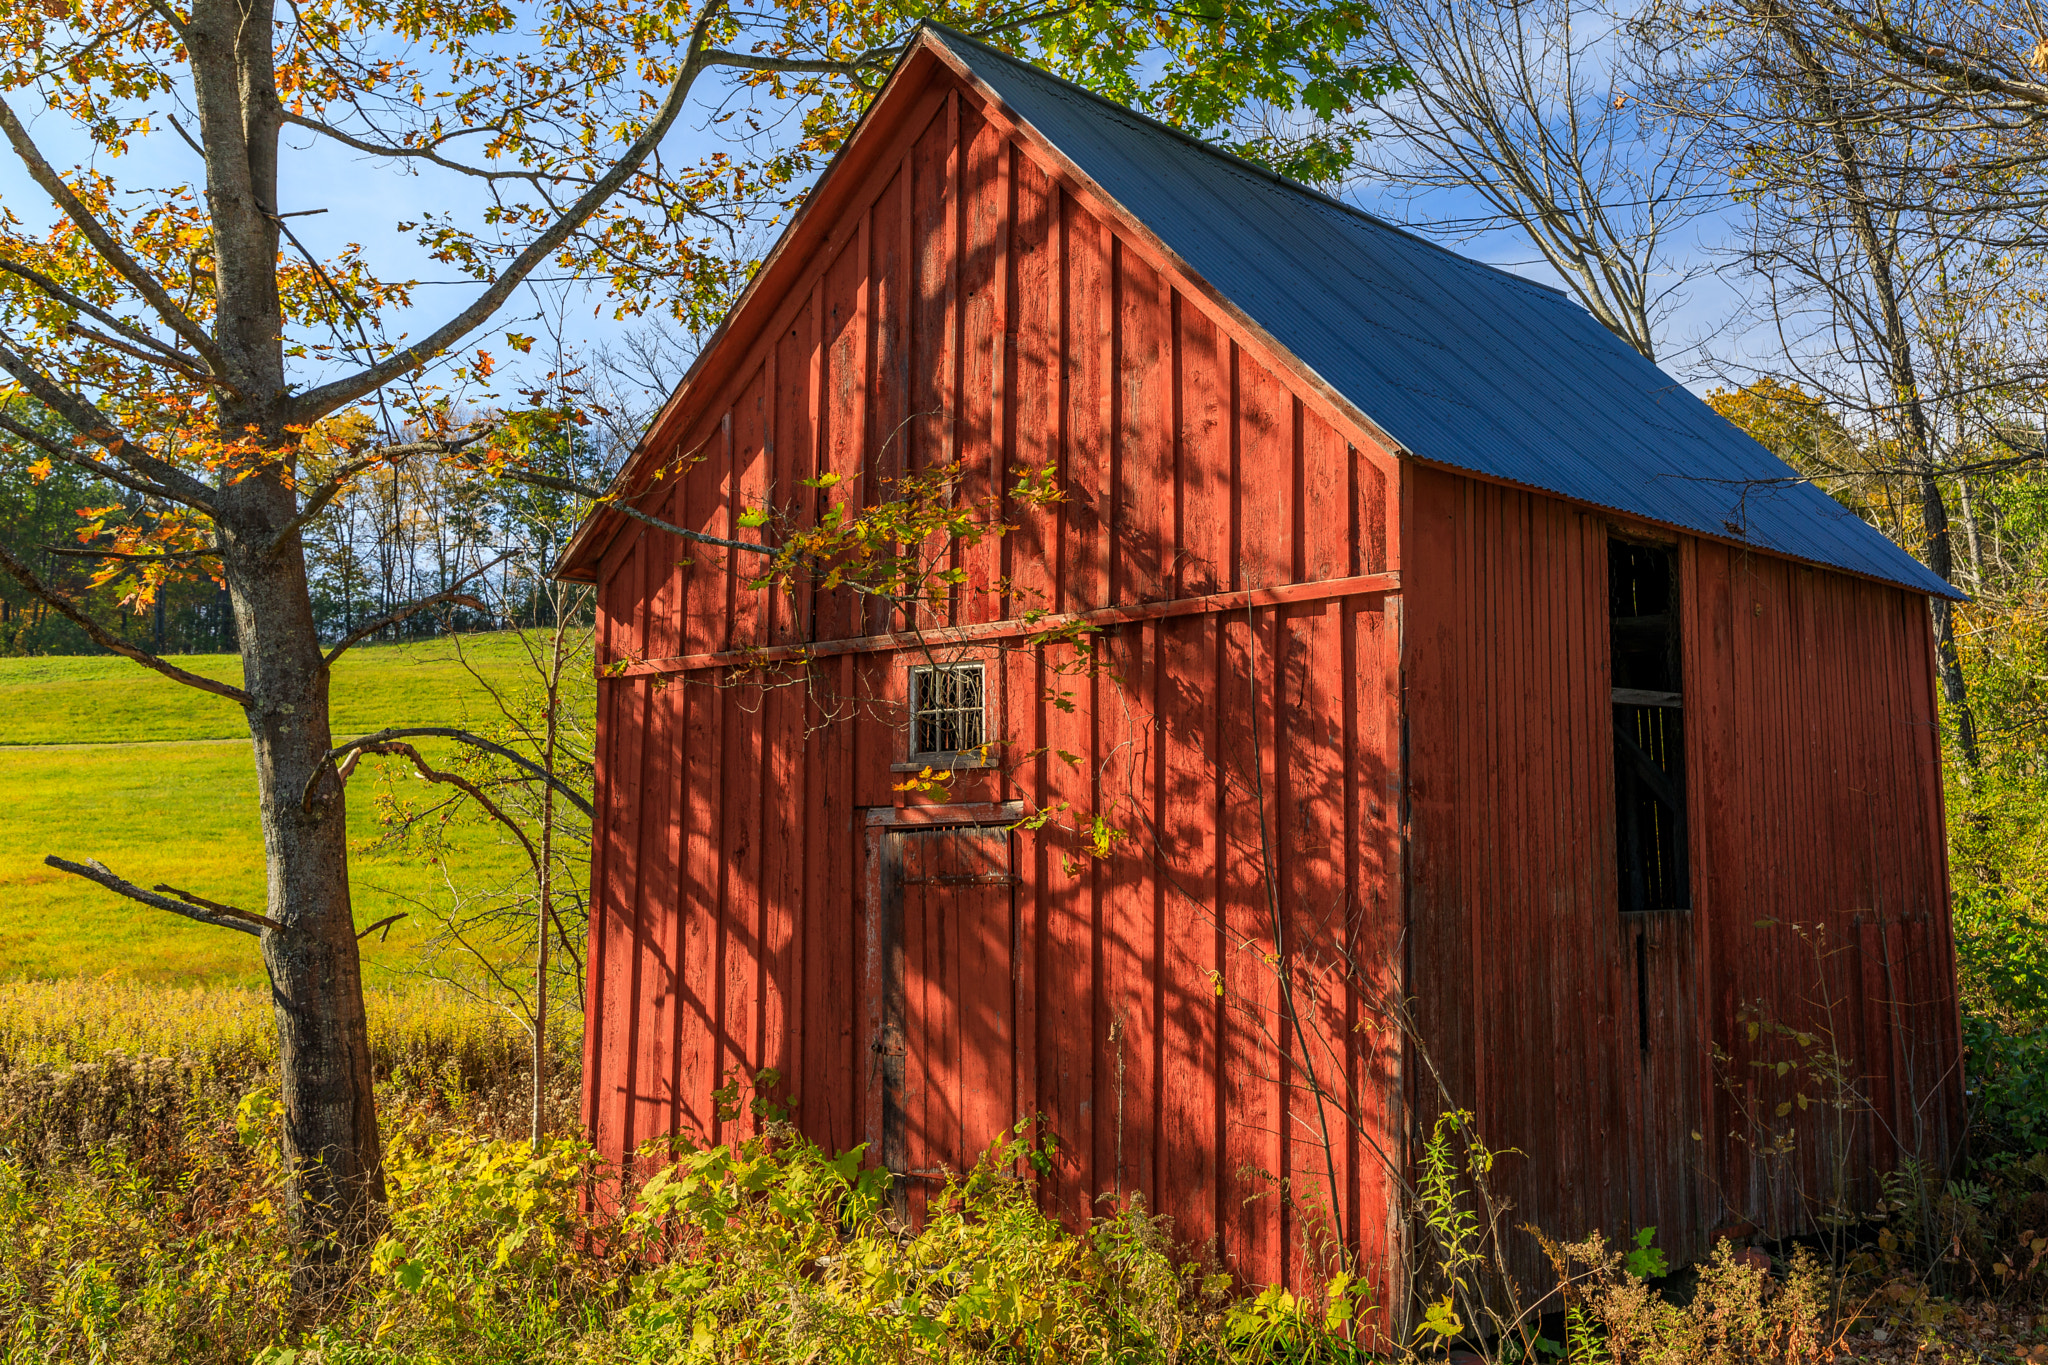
{"x":948,"y":1044}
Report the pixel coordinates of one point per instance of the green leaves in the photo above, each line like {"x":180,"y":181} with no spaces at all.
{"x":256,"y":1117}
{"x":1441,"y":1321}
{"x":1643,"y":1260}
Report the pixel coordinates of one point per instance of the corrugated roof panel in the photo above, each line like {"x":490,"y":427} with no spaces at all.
{"x":1463,"y":364}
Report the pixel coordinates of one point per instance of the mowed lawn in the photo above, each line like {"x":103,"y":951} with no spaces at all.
{"x":100,"y":758}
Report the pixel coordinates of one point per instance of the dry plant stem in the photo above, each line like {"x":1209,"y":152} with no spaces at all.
{"x":106,"y":639}
{"x":543,"y":931}
{"x":205,"y":912}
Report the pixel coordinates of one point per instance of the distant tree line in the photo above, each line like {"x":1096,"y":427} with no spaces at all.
{"x":404,"y":533}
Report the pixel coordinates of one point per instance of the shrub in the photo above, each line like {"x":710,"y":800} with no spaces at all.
{"x":772,"y":1250}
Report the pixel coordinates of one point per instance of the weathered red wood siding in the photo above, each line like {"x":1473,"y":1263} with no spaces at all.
{"x":968,"y":304}
{"x":1400,"y":760}
{"x":1818,"y":876}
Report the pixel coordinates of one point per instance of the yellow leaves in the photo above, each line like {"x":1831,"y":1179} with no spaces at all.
{"x":518,"y":342}
{"x":1441,"y":1321}
{"x":2038,"y":57}
{"x":343,"y":431}
{"x":930,"y":782}
{"x":40,"y":470}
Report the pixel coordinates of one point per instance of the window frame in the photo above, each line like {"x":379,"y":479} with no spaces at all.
{"x":974,"y":757}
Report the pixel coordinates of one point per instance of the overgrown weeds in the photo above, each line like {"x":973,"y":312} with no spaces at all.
{"x":142,"y":1216}
{"x":90,"y":1065}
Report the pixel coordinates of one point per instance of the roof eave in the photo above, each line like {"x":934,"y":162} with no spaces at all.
{"x":1926,"y":589}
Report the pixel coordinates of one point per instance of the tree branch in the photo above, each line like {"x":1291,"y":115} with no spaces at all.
{"x":599,"y":496}
{"x":563,"y":789}
{"x":190,"y":369}
{"x":103,"y":242}
{"x":72,"y":455}
{"x":86,"y":552}
{"x":106,"y":639}
{"x":331,"y":487}
{"x":453,"y":593}
{"x":205,"y":912}
{"x":325,"y":399}
{"x":474,"y":792}
{"x":860,"y":66}
{"x":102,"y":316}
{"x":217,"y":908}
{"x":86,"y":419}
{"x":410,"y":609}
{"x":427,"y":154}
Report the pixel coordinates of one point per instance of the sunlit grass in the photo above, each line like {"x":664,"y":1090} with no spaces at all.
{"x":102,"y":759}
{"x":231,"y":1030}
{"x":102,"y":699}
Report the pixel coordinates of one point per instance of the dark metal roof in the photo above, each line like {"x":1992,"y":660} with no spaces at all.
{"x":1463,"y":364}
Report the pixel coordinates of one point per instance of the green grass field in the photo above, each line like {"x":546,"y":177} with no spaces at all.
{"x":102,"y":759}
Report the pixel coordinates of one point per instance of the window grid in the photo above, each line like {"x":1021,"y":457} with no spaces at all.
{"x":948,"y":709}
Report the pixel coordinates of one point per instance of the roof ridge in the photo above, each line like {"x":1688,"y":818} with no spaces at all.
{"x":950,"y":34}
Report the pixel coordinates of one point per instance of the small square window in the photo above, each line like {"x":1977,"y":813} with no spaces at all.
{"x":948,"y":708}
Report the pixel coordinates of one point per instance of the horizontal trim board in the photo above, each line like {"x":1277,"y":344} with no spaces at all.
{"x":1636,"y":696}
{"x":920,"y":817}
{"x":1240,"y":599}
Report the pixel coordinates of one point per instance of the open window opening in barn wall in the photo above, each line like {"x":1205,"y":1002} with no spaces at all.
{"x":1649,"y":727}
{"x":1648,"y":684}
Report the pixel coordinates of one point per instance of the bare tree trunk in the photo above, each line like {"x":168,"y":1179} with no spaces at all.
{"x":1972,"y":539}
{"x":1819,"y":91}
{"x":1948,"y":663}
{"x":334,"y":1159}
{"x":333,"y":1155}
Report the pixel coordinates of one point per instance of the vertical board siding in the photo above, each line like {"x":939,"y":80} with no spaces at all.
{"x":1819,"y":889}
{"x":1405,"y":798}
{"x":972,"y":309}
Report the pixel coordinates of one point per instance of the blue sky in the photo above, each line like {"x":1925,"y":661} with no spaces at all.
{"x":364,"y":199}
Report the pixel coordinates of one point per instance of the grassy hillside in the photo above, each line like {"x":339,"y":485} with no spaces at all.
{"x":102,"y":759}
{"x":103,"y":699}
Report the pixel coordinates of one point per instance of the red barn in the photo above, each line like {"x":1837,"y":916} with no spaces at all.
{"x":1445,"y":651}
